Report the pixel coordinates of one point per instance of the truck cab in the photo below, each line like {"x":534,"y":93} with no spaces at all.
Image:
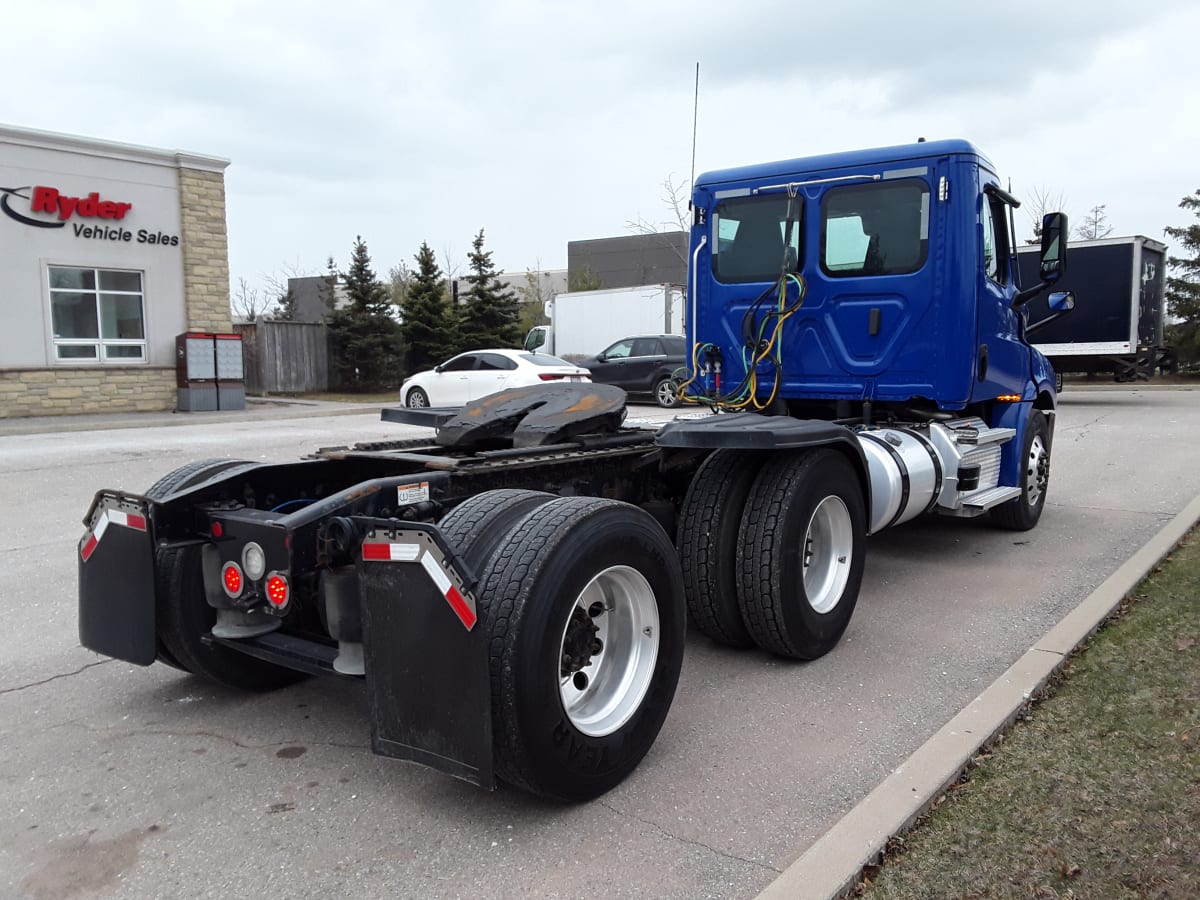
{"x":881,"y":276}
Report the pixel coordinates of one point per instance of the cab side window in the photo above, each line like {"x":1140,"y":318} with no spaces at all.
{"x":995,"y":240}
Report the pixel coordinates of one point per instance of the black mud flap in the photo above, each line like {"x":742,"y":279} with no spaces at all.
{"x":116,"y":579}
{"x":425,"y":652}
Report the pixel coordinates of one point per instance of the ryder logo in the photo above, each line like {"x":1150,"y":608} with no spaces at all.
{"x":61,"y":206}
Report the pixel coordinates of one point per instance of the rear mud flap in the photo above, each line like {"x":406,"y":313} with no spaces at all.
{"x":425,"y":652}
{"x":116,"y":580}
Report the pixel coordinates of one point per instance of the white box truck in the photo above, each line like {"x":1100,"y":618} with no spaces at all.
{"x":583,"y":323}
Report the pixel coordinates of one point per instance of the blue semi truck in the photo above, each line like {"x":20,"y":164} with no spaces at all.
{"x":513,"y":592}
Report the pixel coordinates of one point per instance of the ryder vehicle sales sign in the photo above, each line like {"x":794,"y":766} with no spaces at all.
{"x":91,"y":217}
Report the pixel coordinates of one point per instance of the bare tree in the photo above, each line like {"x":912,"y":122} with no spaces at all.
{"x":279,"y":290}
{"x":247,"y":303}
{"x":675,"y":197}
{"x":1040,"y":202}
{"x":1095,"y":225}
{"x":400,"y":276}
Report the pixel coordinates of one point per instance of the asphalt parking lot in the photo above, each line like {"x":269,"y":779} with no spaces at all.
{"x":130,"y":782}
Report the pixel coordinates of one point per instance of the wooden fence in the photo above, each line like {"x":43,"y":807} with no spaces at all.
{"x":285,"y":357}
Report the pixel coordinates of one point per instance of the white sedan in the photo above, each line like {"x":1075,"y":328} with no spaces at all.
{"x":470,"y":376}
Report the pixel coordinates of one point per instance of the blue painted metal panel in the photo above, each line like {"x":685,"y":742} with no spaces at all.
{"x":914,"y":330}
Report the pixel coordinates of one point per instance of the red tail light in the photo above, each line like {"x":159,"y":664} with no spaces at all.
{"x":277,"y":591}
{"x":231,"y":579}
{"x":546,"y":377}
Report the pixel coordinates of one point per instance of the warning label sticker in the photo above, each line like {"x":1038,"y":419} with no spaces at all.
{"x":407,"y":494}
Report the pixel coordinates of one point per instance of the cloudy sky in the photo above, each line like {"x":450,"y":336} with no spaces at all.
{"x":545,"y":122}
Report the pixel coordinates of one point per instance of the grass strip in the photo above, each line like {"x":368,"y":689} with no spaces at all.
{"x":1095,"y":790}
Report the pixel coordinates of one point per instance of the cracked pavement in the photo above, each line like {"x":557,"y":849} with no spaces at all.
{"x":127,"y":782}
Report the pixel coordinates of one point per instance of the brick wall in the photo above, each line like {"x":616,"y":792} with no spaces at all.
{"x":68,"y":391}
{"x":205,"y":250}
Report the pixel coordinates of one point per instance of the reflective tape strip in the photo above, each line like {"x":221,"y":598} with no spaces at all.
{"x":449,"y":591}
{"x":129,"y":520}
{"x":135,"y":521}
{"x":391,"y":552}
{"x":438,"y":575}
{"x":459,"y":604}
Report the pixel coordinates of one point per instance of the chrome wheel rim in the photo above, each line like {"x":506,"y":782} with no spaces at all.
{"x":608,"y":650}
{"x":1037,"y":470}
{"x":828,"y":550}
{"x":666,"y":393}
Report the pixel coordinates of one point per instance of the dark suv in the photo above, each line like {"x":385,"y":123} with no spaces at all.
{"x":643,"y":364}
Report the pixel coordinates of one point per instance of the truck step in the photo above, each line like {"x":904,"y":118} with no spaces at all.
{"x":974,"y":431}
{"x":989,"y":497}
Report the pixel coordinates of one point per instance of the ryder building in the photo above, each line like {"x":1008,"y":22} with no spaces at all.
{"x":107,"y":252}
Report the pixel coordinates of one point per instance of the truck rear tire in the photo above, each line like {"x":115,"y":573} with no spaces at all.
{"x":585,"y":612}
{"x":187,"y":475}
{"x":708,"y":539}
{"x":801,"y":550}
{"x":477,"y":526}
{"x":190,"y":475}
{"x":1023,"y":513}
{"x":182,"y":614}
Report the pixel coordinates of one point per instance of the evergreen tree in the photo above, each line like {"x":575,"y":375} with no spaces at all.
{"x":285,"y":306}
{"x":429,"y":325}
{"x":490,"y":316}
{"x":1183,"y":289}
{"x":366,"y":293}
{"x":366,"y":352}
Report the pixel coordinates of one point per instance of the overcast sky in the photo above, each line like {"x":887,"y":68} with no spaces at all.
{"x":546,"y":122}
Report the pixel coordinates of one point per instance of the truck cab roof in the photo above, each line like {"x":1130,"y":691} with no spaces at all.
{"x":843,"y":160}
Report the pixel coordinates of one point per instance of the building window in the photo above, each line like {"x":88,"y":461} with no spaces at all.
{"x":97,"y":315}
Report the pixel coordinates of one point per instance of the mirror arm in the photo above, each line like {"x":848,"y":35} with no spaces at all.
{"x":1023,"y":297}
{"x":1029,"y":329}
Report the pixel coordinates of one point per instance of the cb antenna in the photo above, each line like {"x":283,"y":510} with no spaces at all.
{"x":695,"y":118}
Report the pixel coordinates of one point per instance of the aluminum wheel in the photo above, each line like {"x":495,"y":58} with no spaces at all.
{"x":1037,"y":470}
{"x":609,"y":647}
{"x":417,"y":399}
{"x":665,"y":393}
{"x":828,"y":549}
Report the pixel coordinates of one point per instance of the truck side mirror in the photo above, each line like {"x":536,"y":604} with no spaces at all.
{"x":1061,"y":301}
{"x":1054,"y":246}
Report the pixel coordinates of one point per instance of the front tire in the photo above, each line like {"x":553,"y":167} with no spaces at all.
{"x":417,"y":399}
{"x":1025,"y":511}
{"x":801,"y":550}
{"x":585,"y":610}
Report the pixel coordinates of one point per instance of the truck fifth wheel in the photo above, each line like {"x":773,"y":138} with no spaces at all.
{"x":513,"y":590}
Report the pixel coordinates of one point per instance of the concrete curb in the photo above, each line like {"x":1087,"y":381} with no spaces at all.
{"x":832,"y":866}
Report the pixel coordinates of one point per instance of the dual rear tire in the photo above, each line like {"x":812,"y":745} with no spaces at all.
{"x":772,"y":549}
{"x":583,"y":603}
